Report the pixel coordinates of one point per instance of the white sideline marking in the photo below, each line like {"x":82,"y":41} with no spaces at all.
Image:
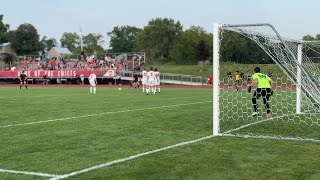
{"x":251,"y":124}
{"x":28,"y":173}
{"x":62,"y":95}
{"x":90,"y":115}
{"x":272,"y":137}
{"x":127,"y":158}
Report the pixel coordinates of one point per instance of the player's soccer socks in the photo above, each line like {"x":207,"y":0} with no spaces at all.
{"x":94,"y":90}
{"x":26,"y":87}
{"x":158,"y":89}
{"x":20,"y":86}
{"x":90,"y":89}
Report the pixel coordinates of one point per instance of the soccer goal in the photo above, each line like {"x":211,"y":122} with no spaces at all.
{"x":295,"y":99}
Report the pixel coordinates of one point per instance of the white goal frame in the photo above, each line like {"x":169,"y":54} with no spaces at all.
{"x":216,"y":82}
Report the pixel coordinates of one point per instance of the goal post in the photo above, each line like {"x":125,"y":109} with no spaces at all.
{"x":216,"y":83}
{"x":298,"y":84}
{"x":295,"y":99}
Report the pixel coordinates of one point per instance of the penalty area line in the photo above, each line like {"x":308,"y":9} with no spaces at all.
{"x":100,"y":114}
{"x":28,"y":173}
{"x":128,"y":158}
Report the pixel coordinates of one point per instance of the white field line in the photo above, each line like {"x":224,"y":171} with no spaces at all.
{"x":52,"y":95}
{"x":251,"y":124}
{"x":272,"y":137}
{"x":28,"y":173}
{"x":100,"y":114}
{"x":127,"y":159}
{"x":62,"y":95}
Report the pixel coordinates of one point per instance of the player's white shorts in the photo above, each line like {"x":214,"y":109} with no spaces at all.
{"x":151,"y":83}
{"x":92,"y":83}
{"x":157,"y":83}
{"x":144,"y":81}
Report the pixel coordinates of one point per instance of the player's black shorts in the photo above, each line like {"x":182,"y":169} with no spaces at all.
{"x":23,"y":81}
{"x":237,"y":82}
{"x":264,"y":92}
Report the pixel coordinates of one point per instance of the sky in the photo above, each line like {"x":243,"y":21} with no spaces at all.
{"x":292,"y":18}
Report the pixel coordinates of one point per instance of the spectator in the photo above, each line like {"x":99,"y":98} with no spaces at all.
{"x":229,"y":75}
{"x":210,"y":80}
{"x":45,"y":79}
{"x":82,"y":79}
{"x":242,"y":75}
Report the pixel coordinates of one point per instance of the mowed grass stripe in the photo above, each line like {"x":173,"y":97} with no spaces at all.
{"x":221,"y":158}
{"x":61,"y":148}
{"x":105,"y":113}
{"x":39,"y":109}
{"x":73,"y":108}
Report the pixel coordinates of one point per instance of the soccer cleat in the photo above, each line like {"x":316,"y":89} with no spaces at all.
{"x":256,"y":114}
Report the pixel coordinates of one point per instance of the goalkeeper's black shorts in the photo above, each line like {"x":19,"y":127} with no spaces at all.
{"x":264,"y":92}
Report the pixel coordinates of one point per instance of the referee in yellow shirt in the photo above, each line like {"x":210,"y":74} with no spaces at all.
{"x":263,"y":84}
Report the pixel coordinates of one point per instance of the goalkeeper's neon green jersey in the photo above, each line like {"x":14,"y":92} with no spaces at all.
{"x":263,"y":80}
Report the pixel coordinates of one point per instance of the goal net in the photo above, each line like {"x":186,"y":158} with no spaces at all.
{"x":294,"y":102}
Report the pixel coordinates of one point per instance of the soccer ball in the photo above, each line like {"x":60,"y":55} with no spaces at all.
{"x":119,"y":89}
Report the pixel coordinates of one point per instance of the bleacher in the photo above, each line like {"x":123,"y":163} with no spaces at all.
{"x":61,"y":71}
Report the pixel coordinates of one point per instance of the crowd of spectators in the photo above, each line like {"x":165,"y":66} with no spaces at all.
{"x":88,"y":63}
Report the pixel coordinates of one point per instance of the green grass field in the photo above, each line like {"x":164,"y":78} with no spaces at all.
{"x":63,"y":130}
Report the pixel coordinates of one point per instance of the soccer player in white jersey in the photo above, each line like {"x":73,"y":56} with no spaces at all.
{"x":144,"y":79}
{"x":150,"y":76}
{"x":157,"y":80}
{"x":93,"y":82}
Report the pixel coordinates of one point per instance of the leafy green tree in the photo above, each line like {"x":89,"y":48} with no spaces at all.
{"x":123,"y":38}
{"x":25,"y":40}
{"x":239,"y":49}
{"x":92,"y":42}
{"x":3,"y":29}
{"x":8,"y":58}
{"x":308,"y":38}
{"x":202,"y":51}
{"x":158,"y":38}
{"x":312,"y":51}
{"x":185,"y":49}
{"x":70,"y":40}
{"x":47,"y":44}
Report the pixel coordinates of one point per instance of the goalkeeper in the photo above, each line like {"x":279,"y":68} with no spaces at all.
{"x":263,"y":84}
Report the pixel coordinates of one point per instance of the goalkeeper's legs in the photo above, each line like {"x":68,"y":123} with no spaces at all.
{"x":266,"y":94}
{"x":256,"y":95}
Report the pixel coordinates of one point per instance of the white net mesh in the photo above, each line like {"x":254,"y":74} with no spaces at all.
{"x":236,"y":102}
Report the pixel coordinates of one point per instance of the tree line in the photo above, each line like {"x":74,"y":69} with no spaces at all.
{"x":163,"y":39}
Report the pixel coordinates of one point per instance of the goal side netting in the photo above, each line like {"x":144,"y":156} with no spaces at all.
{"x":295,"y":99}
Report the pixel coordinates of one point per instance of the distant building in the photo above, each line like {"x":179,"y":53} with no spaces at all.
{"x":6,"y":48}
{"x":59,"y":52}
